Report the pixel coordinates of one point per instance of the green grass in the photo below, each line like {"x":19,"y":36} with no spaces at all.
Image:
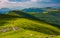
{"x":26,"y":28}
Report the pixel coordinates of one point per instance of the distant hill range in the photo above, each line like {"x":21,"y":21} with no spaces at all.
{"x":4,"y":10}
{"x":39,"y":9}
{"x":33,"y":10}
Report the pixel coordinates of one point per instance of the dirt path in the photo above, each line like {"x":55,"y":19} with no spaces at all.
{"x":6,"y":29}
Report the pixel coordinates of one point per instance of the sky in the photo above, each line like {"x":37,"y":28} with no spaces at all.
{"x":17,"y":4}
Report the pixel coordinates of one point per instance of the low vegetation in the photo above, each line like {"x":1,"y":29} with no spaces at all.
{"x":24,"y":25}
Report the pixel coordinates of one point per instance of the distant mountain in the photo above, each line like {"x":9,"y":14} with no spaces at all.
{"x":38,"y":9}
{"x":33,"y":10}
{"x":49,"y":8}
{"x":4,"y":10}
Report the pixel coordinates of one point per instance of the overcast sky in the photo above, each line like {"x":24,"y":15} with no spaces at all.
{"x":29,"y":3}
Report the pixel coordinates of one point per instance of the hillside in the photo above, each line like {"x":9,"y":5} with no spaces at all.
{"x":24,"y":25}
{"x":51,"y":17}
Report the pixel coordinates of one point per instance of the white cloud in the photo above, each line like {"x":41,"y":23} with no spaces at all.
{"x":26,"y":4}
{"x":8,"y":4}
{"x":3,"y":1}
{"x":34,"y":0}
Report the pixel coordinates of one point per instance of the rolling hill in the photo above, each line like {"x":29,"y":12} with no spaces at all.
{"x":52,"y":17}
{"x":18,"y":24}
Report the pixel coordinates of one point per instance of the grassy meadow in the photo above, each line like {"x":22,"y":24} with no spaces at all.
{"x":22,"y":25}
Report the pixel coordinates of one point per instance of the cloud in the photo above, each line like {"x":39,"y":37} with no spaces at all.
{"x":54,"y":4}
{"x":33,"y":0}
{"x":18,"y":0}
{"x":3,"y":1}
{"x":27,"y":3}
